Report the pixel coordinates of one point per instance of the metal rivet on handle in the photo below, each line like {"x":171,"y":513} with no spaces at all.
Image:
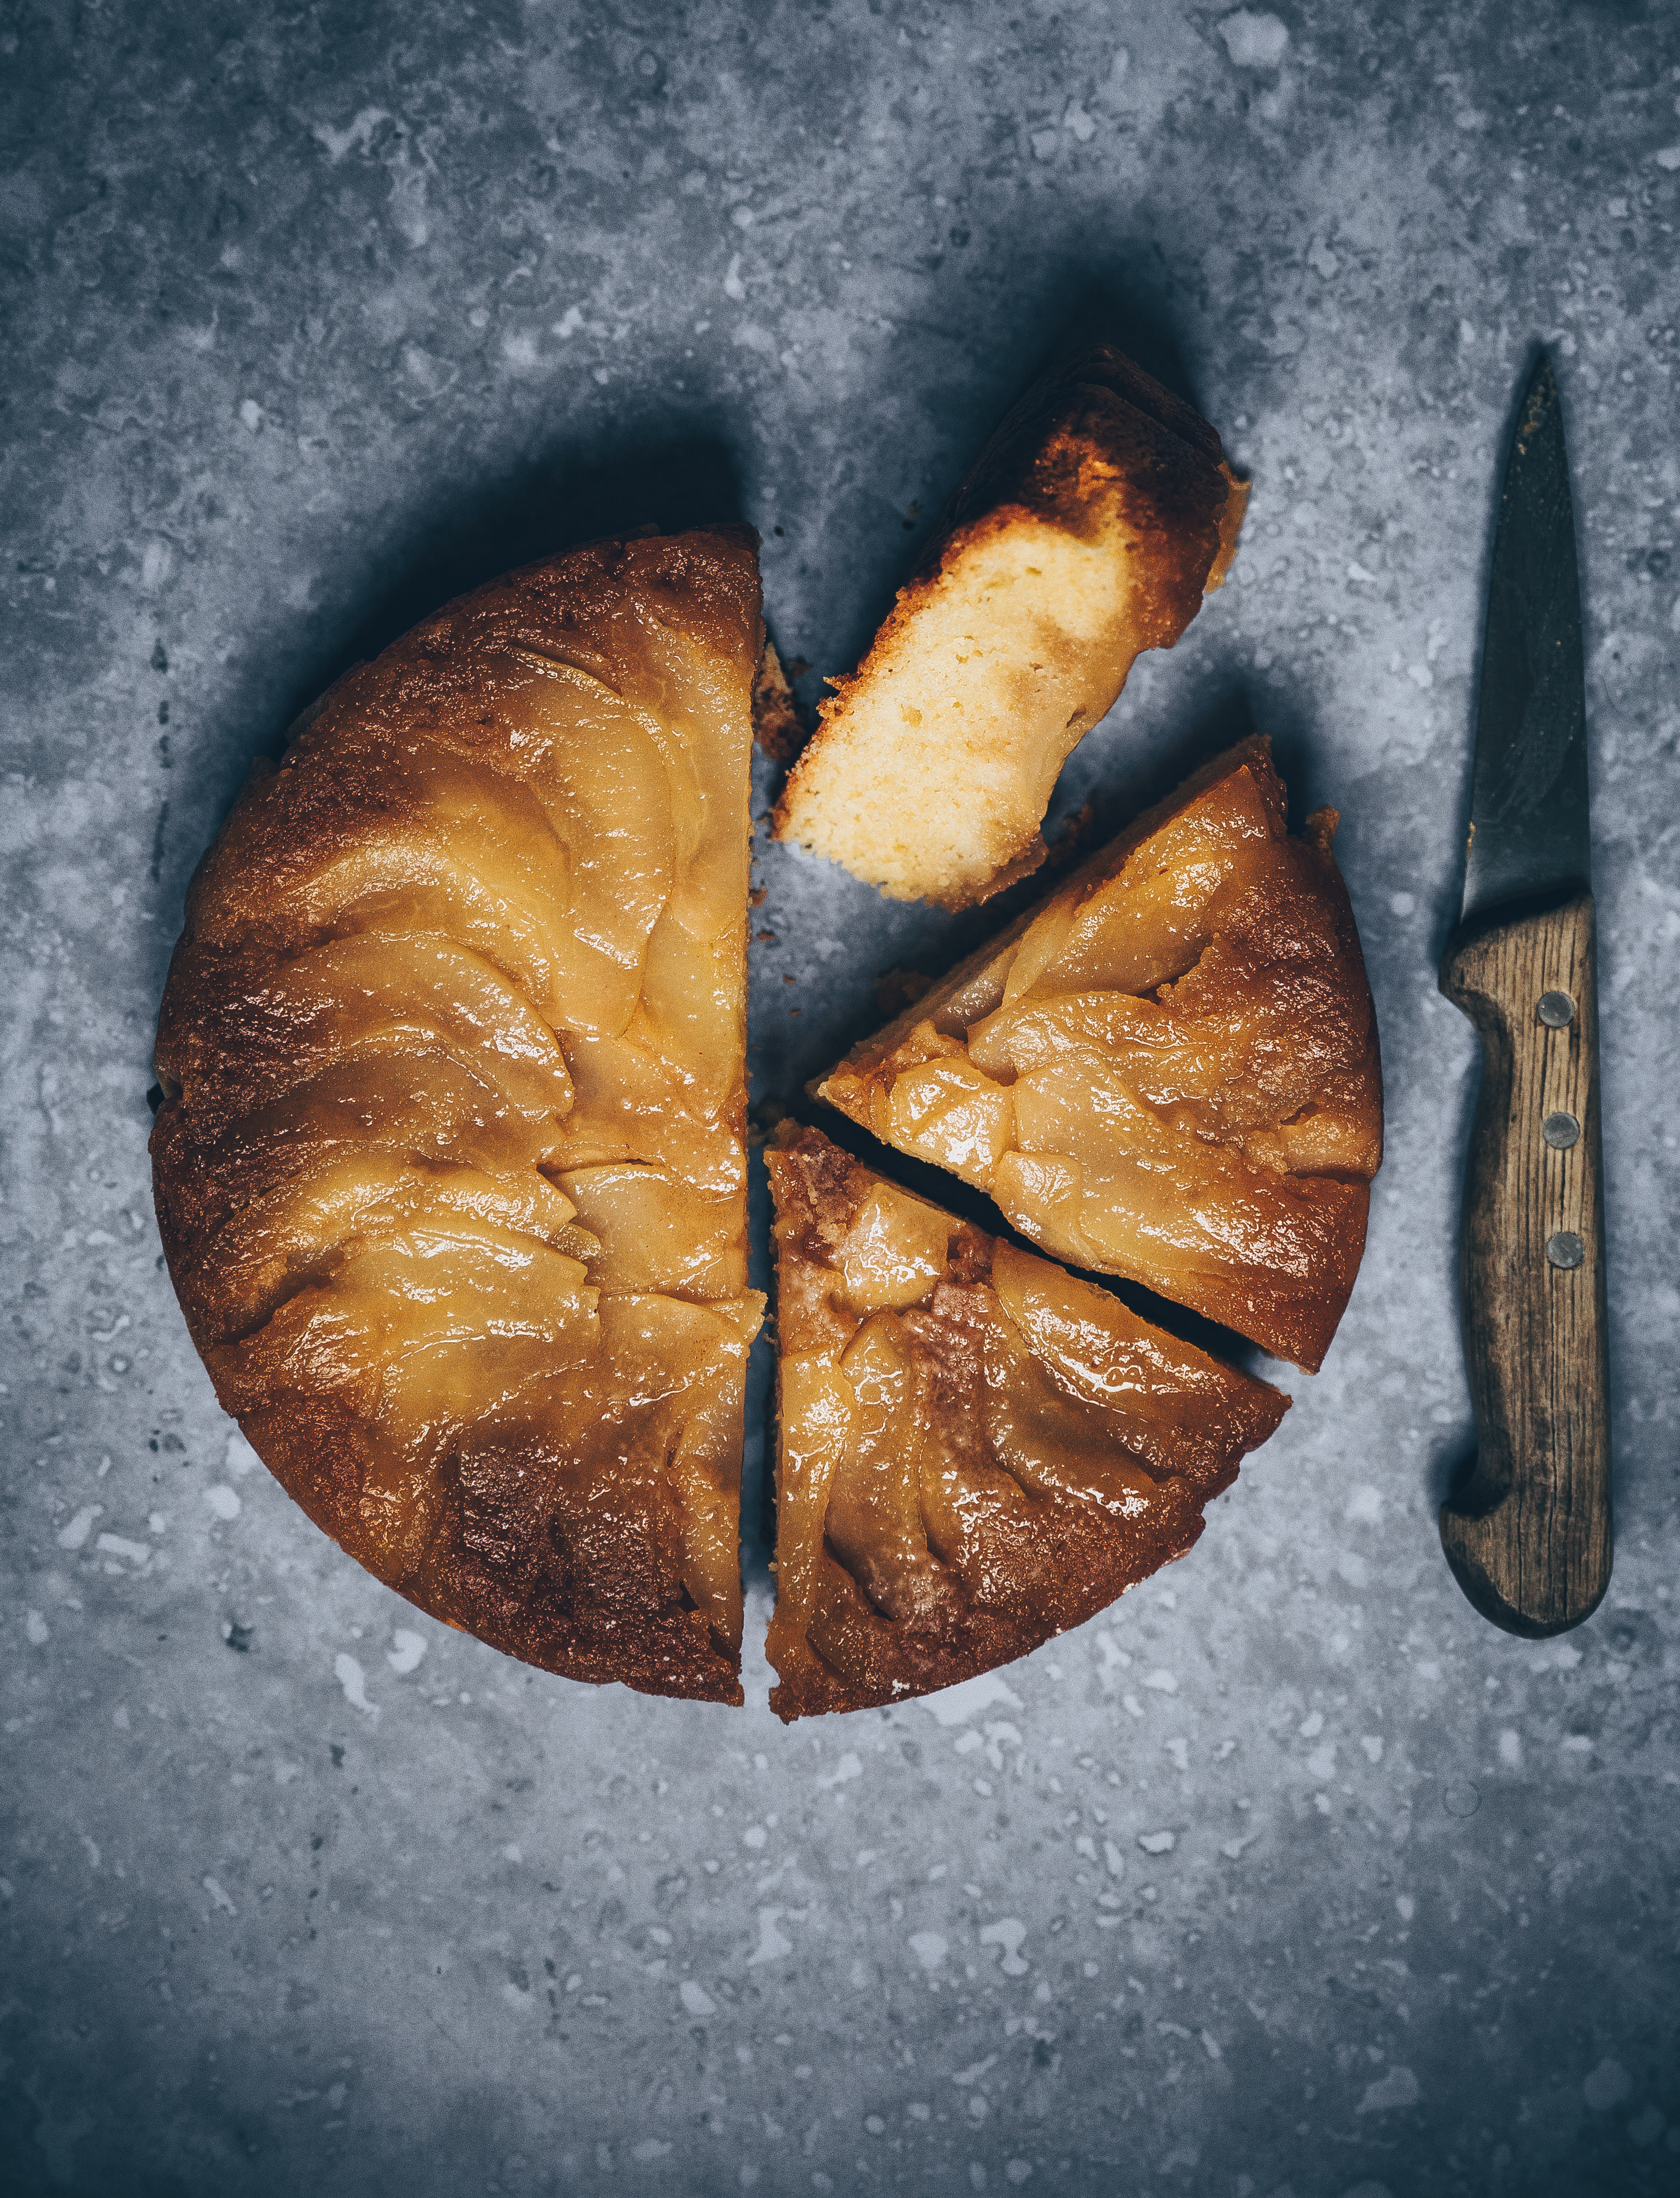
{"x":1565,"y":1249}
{"x":1556,"y":1011}
{"x":1561,"y":1130}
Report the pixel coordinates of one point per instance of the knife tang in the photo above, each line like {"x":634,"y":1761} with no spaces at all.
{"x":1528,"y":1533}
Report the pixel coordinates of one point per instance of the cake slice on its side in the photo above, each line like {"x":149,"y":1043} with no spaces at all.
{"x":976,"y":1450}
{"x":1168,"y":1070}
{"x":1089,"y":530}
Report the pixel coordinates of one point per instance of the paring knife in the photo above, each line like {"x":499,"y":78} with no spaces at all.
{"x":1527,"y":1532}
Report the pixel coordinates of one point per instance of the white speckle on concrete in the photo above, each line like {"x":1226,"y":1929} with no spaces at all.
{"x":1008,"y":1933}
{"x":408,"y":1649}
{"x":1398,"y":2088}
{"x":1372,"y":1744}
{"x":696,"y":1998}
{"x":1254,"y":40}
{"x":929,"y":1947}
{"x":1157,"y":1843}
{"x":733,"y":286}
{"x":72,"y":1535}
{"x":358,"y":137}
{"x":354,"y":1681}
{"x":222,"y":1501}
{"x":120,"y":1545}
{"x":849,"y":1767}
{"x":773,"y":1943}
{"x":1163,"y":1682}
{"x":219,"y":1897}
{"x":35,"y":1629}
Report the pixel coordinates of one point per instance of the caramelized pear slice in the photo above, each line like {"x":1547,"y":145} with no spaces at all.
{"x":655,"y":1234}
{"x":272,"y":1246}
{"x":430,"y":840}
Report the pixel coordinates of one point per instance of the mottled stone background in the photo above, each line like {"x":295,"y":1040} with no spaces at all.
{"x":1290,"y":1874}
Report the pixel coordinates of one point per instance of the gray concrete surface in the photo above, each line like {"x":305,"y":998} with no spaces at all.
{"x":1287,"y":1876}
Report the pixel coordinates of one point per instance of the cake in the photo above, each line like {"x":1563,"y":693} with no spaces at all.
{"x":1090,"y":529}
{"x":1167,"y":1070}
{"x":976,"y":1449}
{"x":450,"y":1166}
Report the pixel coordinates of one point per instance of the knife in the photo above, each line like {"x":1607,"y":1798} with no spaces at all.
{"x":1527,"y":1531}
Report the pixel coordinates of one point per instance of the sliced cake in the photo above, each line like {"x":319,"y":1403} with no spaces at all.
{"x":976,"y":1450}
{"x":1090,"y":529}
{"x":450,"y":1166}
{"x":1166,"y":1071}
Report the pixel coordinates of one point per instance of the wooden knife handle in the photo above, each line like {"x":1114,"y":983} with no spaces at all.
{"x":1528,"y":1532}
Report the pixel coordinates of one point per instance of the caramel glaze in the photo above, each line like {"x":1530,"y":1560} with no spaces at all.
{"x":450,"y":1167}
{"x":976,"y":1450}
{"x":1168,"y":1070}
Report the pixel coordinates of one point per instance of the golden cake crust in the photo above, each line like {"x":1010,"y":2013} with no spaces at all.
{"x":451,"y":1164}
{"x":1032,"y":1490}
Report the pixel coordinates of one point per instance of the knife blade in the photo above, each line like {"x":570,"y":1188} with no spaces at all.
{"x":1527,"y":1529}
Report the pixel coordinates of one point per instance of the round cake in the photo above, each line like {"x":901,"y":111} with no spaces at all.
{"x":450,"y":1163}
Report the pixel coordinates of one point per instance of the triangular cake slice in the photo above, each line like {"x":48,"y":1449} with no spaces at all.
{"x":451,"y":1167}
{"x":977,"y":1450}
{"x":1168,"y":1070}
{"x":1090,"y":529}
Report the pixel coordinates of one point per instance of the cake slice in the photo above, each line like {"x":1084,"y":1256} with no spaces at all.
{"x":451,"y":1167}
{"x":976,"y":1450}
{"x":1168,"y":1070}
{"x":1090,"y":529}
